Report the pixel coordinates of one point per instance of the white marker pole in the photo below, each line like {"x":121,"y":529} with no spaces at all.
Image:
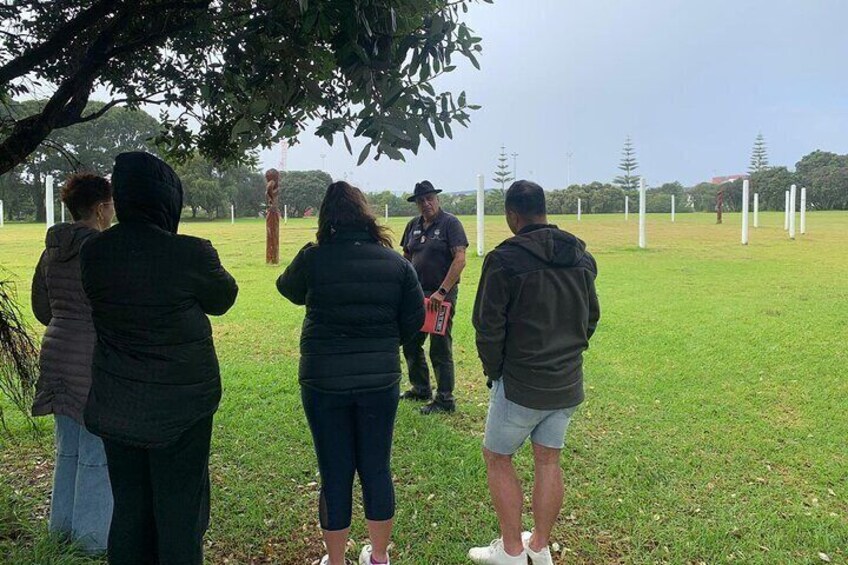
{"x":387,"y":212}
{"x":1,"y":213}
{"x":626,"y":207}
{"x":63,"y":212}
{"x":481,"y":202}
{"x":579,"y":209}
{"x":285,"y":213}
{"x":746,"y":188}
{"x":786,"y":213}
{"x":232,"y":213}
{"x":672,"y":208}
{"x":756,"y":209}
{"x":792,"y":196}
{"x":803,"y":210}
{"x":642,"y":196}
{"x":49,"y":212}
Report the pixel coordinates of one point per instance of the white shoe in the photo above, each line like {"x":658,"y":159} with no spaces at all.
{"x":325,"y":560}
{"x":536,"y":558}
{"x":495,"y":554}
{"x":365,"y":556}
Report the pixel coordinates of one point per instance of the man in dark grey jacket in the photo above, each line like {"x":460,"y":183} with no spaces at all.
{"x":535,"y":311}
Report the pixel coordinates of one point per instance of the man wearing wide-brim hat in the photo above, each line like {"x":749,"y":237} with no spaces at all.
{"x":435,"y":243}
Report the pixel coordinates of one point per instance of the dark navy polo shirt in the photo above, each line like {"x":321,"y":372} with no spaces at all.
{"x":430,"y":249}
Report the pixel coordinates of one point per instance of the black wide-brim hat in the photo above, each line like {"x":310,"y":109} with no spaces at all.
{"x":422,"y":188}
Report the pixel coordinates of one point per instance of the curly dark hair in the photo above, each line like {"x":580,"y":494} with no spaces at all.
{"x":345,"y":207}
{"x":83,"y":191}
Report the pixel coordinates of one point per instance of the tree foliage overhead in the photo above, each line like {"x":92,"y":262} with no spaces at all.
{"x":628,"y":180}
{"x":245,"y":73}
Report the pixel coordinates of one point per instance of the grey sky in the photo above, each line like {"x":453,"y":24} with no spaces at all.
{"x":692,"y":81}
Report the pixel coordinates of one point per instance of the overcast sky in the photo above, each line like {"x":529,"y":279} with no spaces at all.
{"x":692,"y":82}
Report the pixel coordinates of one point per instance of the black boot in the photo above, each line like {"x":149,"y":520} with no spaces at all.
{"x":442,"y":404}
{"x":417,"y":395}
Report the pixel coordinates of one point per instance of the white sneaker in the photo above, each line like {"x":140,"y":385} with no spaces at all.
{"x":536,"y":558}
{"x":365,"y":556}
{"x":495,"y":554}
{"x":325,"y":560}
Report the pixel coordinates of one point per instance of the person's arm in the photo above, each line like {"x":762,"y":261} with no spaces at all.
{"x":594,"y":304}
{"x":458,"y":243}
{"x":293,"y":283}
{"x":406,"y":254}
{"x":215,"y":288}
{"x":411,"y":311}
{"x":40,"y":298}
{"x":491,"y":308}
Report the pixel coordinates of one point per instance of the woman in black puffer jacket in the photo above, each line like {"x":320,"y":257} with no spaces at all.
{"x":81,"y":503}
{"x":362,"y":302}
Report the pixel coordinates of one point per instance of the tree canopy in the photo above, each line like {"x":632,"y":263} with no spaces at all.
{"x":238,"y":75}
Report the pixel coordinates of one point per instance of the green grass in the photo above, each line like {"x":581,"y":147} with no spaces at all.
{"x":714,"y":429}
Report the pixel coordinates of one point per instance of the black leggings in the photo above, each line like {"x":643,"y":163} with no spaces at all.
{"x":352,"y":433}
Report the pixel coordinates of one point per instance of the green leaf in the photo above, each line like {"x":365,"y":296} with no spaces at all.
{"x":364,"y":155}
{"x":347,"y":144}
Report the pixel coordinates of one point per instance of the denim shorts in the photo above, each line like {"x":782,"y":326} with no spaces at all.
{"x":508,"y":424}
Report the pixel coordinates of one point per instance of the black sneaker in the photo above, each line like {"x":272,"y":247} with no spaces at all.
{"x":439,"y":407}
{"x":417,"y":395}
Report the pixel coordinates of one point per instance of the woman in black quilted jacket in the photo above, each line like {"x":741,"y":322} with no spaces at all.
{"x":156,"y":383}
{"x":81,"y":504}
{"x":362,"y":302}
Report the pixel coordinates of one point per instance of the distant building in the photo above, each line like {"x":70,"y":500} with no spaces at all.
{"x":730,"y":178}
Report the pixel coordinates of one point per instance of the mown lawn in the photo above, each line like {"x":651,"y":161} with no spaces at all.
{"x":714,"y":431}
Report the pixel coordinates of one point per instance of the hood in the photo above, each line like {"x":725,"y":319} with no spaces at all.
{"x":63,"y":241}
{"x":551,"y":245}
{"x":146,"y":190}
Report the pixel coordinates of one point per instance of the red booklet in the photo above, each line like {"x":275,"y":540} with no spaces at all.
{"x":436,"y":322}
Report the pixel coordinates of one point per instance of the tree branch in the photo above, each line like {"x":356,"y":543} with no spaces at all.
{"x":67,"y":102}
{"x":66,"y":33}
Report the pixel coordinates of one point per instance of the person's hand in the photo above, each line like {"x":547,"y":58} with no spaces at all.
{"x":436,"y":300}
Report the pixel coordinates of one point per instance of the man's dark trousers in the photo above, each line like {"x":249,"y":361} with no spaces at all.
{"x":161,"y":500}
{"x":441,"y":356}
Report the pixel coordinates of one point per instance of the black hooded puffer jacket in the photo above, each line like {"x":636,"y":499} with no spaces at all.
{"x":59,"y":303}
{"x":155,"y":370}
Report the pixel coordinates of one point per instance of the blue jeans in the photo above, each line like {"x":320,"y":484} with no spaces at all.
{"x":81,"y":505}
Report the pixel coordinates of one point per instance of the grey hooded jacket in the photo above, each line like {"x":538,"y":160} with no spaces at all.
{"x":58,"y":302}
{"x":535,"y":311}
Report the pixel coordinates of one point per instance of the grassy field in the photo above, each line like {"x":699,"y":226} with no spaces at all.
{"x":714,"y":429}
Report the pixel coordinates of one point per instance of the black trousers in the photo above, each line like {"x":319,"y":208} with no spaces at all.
{"x":352,"y":433}
{"x":441,"y":356}
{"x":161,"y":500}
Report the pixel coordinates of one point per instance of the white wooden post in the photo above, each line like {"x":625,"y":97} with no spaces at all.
{"x":756,"y":209}
{"x":626,"y":207}
{"x":63,"y":212}
{"x":804,"y":210}
{"x":232,"y":213}
{"x":792,"y":196}
{"x":786,"y":213}
{"x":481,"y":217}
{"x":387,"y":212}
{"x":49,"y":212}
{"x":746,"y":188}
{"x":672,"y":208}
{"x":579,"y":209}
{"x":1,"y":213}
{"x":642,"y":196}
{"x":285,"y":213}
